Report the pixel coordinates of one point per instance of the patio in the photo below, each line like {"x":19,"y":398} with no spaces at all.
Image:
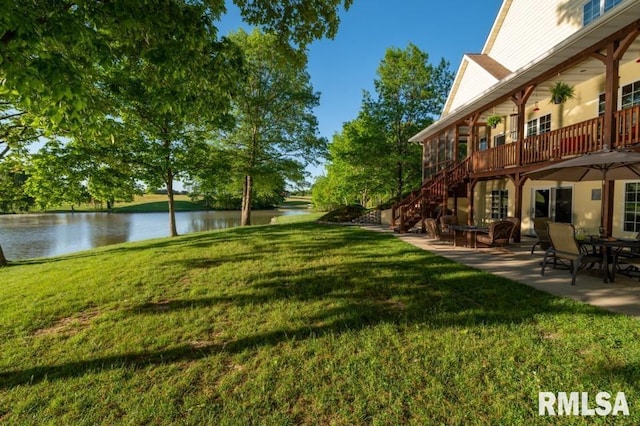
{"x":516,"y":263}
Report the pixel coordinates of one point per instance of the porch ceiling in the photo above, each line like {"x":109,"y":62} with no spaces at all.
{"x":623,"y":15}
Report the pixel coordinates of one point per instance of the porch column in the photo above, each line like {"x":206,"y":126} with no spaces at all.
{"x":611,"y":60}
{"x":611,"y":84}
{"x":470,"y":187}
{"x":520,"y":99}
{"x":607,"y":211}
{"x":424,"y":159}
{"x":518,"y":181}
{"x":615,"y":50}
{"x":445,"y":191}
{"x":456,"y":140}
{"x":473,"y":135}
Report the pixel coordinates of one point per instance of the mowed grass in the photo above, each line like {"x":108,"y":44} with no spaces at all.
{"x":295,"y":323}
{"x":147,"y":203}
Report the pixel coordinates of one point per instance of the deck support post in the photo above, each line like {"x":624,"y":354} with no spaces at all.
{"x":520,"y":99}
{"x":470,"y":187}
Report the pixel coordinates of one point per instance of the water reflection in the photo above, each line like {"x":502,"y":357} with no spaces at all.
{"x":43,"y":235}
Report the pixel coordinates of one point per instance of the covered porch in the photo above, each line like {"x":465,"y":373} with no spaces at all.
{"x":464,"y":149}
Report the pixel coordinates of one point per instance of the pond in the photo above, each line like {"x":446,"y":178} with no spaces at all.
{"x":26,"y":236}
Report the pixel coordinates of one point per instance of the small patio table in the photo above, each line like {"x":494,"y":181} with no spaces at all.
{"x":607,"y":247}
{"x":471,"y":232}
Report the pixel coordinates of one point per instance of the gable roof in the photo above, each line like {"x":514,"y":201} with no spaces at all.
{"x":477,"y":72}
{"x":464,"y":75}
{"x":489,"y":64}
{"x":580,"y":40}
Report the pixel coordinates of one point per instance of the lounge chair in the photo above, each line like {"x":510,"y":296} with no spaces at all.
{"x":499,"y":234}
{"x":564,"y":246}
{"x":445,"y":222}
{"x":432,"y":230}
{"x":515,"y":234}
{"x":542,"y":232}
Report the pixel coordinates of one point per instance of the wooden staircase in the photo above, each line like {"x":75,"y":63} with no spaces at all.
{"x":422,"y":203}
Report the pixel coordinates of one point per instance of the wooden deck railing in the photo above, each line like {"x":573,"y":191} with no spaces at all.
{"x":628,"y":126}
{"x":576,"y":139}
{"x":498,"y":157}
{"x":460,"y":171}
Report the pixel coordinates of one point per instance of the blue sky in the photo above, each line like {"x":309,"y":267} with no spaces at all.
{"x":342,"y":68}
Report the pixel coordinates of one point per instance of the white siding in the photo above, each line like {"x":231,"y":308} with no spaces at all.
{"x":531,"y":28}
{"x":474,"y":81}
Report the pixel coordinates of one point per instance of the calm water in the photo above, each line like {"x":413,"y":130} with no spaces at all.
{"x":41,"y":235}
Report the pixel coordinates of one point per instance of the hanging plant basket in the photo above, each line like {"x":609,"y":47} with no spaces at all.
{"x":493,"y":120}
{"x":561,"y":92}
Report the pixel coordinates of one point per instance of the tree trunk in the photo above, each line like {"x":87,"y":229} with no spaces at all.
{"x":172,"y":208}
{"x":247,"y":189}
{"x":3,"y":260}
{"x":400,"y":181}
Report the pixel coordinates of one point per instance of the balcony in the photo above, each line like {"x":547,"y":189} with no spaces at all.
{"x":576,"y":139}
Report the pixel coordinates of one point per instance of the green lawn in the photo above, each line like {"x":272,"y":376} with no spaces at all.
{"x":295,"y":323}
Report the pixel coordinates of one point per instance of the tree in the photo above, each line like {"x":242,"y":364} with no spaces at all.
{"x":58,"y":58}
{"x":15,"y":134}
{"x":53,"y":53}
{"x":359,"y":167}
{"x":275,"y":134}
{"x":410,"y":94}
{"x":13,"y":176}
{"x":74,"y":172}
{"x":371,"y":160}
{"x":57,"y":176}
{"x":169,"y":107}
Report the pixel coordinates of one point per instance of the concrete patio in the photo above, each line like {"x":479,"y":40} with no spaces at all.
{"x":516,"y":263}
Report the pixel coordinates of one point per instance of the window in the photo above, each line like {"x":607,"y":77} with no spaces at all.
{"x":513,"y":125}
{"x":601,"y":105}
{"x":483,"y":145}
{"x":532,"y":127}
{"x":592,"y":9}
{"x":499,"y":202}
{"x":538,"y":126}
{"x":608,"y":4}
{"x":499,"y":140}
{"x":544,"y":125}
{"x":632,"y":207}
{"x":631,"y":95}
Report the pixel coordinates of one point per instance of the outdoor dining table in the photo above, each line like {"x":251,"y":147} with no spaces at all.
{"x":608,"y":247}
{"x":470,"y":231}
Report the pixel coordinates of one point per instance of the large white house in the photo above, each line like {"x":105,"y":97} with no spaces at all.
{"x":479,"y":171}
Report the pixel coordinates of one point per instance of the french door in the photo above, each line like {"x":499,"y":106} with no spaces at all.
{"x":556,"y":203}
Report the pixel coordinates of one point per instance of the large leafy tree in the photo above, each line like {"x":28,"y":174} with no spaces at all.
{"x":77,"y":172}
{"x":169,"y":107}
{"x":59,"y":59}
{"x":13,"y":176}
{"x":275,"y":132}
{"x":52,"y":53}
{"x":15,"y":134}
{"x":358,"y":171}
{"x":410,"y":93}
{"x":371,"y":158}
{"x":56,"y":176}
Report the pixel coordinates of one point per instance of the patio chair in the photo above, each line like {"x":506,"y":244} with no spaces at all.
{"x":629,"y":258}
{"x":565,"y":246}
{"x":542,"y":232}
{"x":445,"y":222}
{"x":433,"y":232}
{"x":499,"y":234}
{"x":515,"y":234}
